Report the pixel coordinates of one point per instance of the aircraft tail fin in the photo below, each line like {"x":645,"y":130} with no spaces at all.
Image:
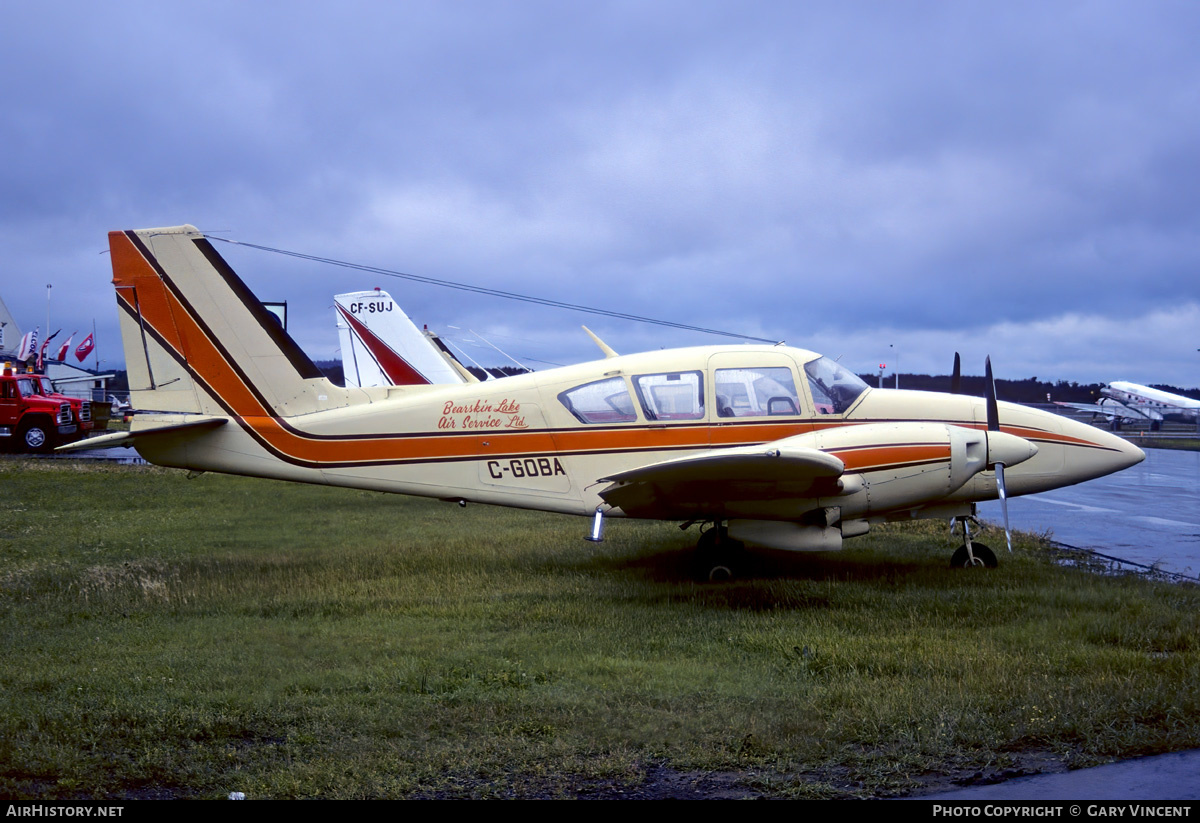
{"x":197,"y":340}
{"x":381,"y":346}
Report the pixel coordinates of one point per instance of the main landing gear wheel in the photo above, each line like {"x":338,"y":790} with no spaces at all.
{"x":718,"y":558}
{"x":983,"y":556}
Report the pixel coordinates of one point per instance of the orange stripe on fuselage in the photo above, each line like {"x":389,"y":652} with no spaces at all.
{"x":890,"y":456}
{"x":1031,"y":434}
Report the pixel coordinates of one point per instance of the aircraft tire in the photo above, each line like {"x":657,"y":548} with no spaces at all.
{"x":718,"y":559}
{"x":982,"y":554}
{"x":720,"y":573}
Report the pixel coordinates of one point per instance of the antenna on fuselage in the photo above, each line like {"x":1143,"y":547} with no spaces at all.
{"x":604,"y":347}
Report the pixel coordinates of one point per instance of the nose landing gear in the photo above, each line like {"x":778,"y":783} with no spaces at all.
{"x":971,"y":553}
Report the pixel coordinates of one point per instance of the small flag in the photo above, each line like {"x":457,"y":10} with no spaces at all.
{"x":84,"y":348}
{"x":41,"y":361}
{"x":28,"y":345}
{"x":64,"y":348}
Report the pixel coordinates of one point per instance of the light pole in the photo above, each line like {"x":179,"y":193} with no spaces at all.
{"x":895,"y":363}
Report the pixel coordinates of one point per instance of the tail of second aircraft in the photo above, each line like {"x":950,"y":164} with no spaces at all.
{"x":381,"y":346}
{"x":197,"y":341}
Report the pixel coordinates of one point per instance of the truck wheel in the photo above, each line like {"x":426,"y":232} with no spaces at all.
{"x":36,"y":438}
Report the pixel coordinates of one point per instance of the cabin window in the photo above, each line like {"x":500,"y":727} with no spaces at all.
{"x":605,"y":401}
{"x":671,"y":396}
{"x":834,"y":387}
{"x":756,"y":392}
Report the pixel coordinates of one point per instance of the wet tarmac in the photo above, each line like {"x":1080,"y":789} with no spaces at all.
{"x":1174,"y":776}
{"x":1147,"y":515}
{"x":118,"y":454}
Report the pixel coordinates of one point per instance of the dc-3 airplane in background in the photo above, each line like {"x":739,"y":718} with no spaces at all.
{"x":767,"y":445}
{"x":1123,"y":402}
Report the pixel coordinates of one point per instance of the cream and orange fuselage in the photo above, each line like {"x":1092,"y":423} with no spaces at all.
{"x":196,"y":348}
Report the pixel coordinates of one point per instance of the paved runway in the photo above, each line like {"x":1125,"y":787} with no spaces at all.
{"x":1173,"y":776}
{"x":1149,"y":514}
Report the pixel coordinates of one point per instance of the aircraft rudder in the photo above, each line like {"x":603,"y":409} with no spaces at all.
{"x":189,"y":315}
{"x":157,"y":373}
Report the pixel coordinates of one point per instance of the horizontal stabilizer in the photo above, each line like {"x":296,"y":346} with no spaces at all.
{"x":131,"y":438}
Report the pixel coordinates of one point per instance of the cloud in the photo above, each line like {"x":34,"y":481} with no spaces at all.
{"x":927,"y":175}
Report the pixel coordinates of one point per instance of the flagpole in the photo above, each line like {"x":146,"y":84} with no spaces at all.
{"x":95,"y":351}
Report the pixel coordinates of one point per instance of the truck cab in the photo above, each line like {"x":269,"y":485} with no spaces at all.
{"x":34,"y":417}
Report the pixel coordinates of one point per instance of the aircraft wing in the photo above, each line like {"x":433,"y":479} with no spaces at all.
{"x":1090,"y":408}
{"x":1111,"y":409}
{"x":746,"y":481}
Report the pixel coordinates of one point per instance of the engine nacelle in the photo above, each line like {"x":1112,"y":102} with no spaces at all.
{"x":903,"y":465}
{"x":786,"y":536}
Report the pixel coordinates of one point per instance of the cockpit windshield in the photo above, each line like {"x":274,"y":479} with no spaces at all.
{"x":834,"y":387}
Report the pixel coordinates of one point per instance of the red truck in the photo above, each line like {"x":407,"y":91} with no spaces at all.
{"x":35,"y":418}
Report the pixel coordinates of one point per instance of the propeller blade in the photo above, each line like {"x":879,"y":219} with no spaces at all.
{"x":993,"y":424}
{"x":1003,"y":502}
{"x":956,"y":376}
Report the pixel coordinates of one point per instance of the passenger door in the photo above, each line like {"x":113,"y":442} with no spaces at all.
{"x":756,"y":398}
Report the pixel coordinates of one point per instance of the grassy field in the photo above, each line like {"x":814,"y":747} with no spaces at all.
{"x":166,"y":637}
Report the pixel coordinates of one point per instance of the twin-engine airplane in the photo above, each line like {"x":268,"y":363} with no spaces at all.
{"x":768,"y":445}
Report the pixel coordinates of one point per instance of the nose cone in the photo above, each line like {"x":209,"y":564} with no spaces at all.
{"x":1129,"y":454}
{"x":1092,"y":452}
{"x":1069,"y":451}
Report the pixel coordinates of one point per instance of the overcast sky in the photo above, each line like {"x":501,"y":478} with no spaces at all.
{"x":875,"y":181}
